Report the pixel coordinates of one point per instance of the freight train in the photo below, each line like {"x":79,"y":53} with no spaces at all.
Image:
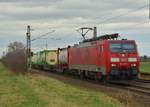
{"x":101,"y":58}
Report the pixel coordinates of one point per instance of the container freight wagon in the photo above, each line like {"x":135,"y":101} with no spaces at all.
{"x":62,"y":59}
{"x":111,"y":59}
{"x":38,"y":59}
{"x":34,"y":60}
{"x":51,"y":59}
{"x":47,"y":59}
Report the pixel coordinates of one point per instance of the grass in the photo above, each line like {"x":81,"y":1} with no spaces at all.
{"x":34,"y":90}
{"x":145,"y":67}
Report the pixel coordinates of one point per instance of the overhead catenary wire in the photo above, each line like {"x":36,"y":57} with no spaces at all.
{"x":141,"y":23}
{"x":135,"y":25}
{"x":104,"y":19}
{"x":118,"y":16}
{"x":113,"y":18}
{"x":39,"y":37}
{"x":125,"y":14}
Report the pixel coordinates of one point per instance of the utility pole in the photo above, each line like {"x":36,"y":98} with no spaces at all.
{"x":28,"y":50}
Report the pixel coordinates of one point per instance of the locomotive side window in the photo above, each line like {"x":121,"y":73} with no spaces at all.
{"x":122,"y":47}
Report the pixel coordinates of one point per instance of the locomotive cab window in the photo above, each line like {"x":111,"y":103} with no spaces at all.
{"x":122,"y":47}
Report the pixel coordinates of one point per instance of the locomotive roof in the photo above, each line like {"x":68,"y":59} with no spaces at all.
{"x":90,"y":43}
{"x":108,"y":37}
{"x":121,"y":40}
{"x":104,"y":37}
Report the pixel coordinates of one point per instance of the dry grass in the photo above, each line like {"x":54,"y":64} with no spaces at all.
{"x":34,"y":90}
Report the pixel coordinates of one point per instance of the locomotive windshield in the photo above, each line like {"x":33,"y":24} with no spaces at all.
{"x":122,"y":47}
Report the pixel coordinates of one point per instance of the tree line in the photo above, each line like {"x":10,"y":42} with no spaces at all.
{"x":145,"y":58}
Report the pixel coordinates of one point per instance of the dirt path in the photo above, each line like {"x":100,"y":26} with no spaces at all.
{"x":130,"y":99}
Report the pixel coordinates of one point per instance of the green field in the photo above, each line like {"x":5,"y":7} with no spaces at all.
{"x":145,"y":67}
{"x":34,"y":90}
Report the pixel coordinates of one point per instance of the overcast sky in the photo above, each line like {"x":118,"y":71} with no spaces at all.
{"x":130,"y":19}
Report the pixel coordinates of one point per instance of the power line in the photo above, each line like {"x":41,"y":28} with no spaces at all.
{"x":108,"y":19}
{"x":39,"y":37}
{"x":103,"y":21}
{"x":141,"y":23}
{"x":129,"y":12}
{"x":135,"y":25}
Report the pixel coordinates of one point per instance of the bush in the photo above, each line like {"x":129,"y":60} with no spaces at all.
{"x":15,"y":60}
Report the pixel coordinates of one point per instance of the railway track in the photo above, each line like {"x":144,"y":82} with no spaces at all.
{"x":143,"y":80}
{"x":138,"y":86}
{"x":145,"y":76}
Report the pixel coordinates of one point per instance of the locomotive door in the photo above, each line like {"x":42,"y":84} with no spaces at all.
{"x":101,"y":55}
{"x":102,"y":60}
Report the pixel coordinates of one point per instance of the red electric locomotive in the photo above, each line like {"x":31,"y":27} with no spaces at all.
{"x":105,"y":57}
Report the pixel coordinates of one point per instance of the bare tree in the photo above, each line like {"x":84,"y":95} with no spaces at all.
{"x":15,"y":46}
{"x":15,"y":57}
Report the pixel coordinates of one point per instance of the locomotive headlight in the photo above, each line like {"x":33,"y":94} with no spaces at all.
{"x":132,"y":59}
{"x":114,"y":59}
{"x":113,"y":65}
